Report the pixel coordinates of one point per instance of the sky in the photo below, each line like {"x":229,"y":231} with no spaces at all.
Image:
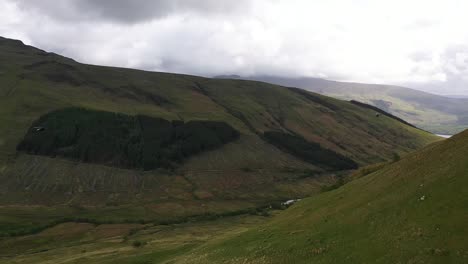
{"x":421,"y":44}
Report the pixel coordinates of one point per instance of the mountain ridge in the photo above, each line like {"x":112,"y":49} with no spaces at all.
{"x":435,"y":113}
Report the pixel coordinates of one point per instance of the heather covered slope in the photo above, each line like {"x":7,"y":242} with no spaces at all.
{"x":246,"y":172}
{"x":411,"y":211}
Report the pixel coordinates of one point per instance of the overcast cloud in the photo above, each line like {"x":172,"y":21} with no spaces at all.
{"x":418,"y":43}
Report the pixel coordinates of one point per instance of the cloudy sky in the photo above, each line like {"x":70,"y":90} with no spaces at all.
{"x":418,"y":43}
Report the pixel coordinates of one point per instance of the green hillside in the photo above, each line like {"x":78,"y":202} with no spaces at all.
{"x":64,"y":184}
{"x":434,"y":113}
{"x":411,"y":211}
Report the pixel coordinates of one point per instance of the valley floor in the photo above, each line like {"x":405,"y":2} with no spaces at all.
{"x":121,"y":243}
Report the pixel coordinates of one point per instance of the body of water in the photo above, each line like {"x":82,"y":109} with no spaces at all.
{"x":444,"y":136}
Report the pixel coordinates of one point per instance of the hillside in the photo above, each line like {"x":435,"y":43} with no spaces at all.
{"x":92,"y":165}
{"x":434,"y":113}
{"x":411,"y":211}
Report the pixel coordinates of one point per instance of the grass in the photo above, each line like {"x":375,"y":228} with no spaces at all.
{"x":125,"y":243}
{"x":411,"y":211}
{"x":408,"y":211}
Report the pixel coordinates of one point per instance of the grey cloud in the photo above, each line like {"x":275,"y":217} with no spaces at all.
{"x":456,"y":59}
{"x":454,"y":67}
{"x":130,"y":11}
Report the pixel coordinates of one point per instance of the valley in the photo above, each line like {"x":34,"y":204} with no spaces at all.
{"x":103,"y":164}
{"x":233,"y":132}
{"x":397,"y":210}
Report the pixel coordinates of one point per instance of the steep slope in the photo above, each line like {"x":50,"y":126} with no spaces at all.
{"x":246,"y":172}
{"x":437,"y":114}
{"x":412,"y":211}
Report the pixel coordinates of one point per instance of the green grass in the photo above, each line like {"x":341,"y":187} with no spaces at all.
{"x":112,"y":243}
{"x":27,"y":220}
{"x":411,"y":211}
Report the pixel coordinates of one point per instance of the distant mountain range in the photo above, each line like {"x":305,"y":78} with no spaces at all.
{"x":434,"y":113}
{"x":456,"y":96}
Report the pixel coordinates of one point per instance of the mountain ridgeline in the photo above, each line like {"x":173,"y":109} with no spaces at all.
{"x":380,"y":111}
{"x":434,"y":113}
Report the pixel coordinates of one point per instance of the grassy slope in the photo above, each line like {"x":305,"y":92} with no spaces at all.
{"x":244,"y":173}
{"x":412,"y":211}
{"x":434,"y":113}
{"x":377,"y":218}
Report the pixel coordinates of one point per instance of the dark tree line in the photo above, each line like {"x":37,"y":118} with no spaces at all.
{"x":121,"y":140}
{"x":309,"y":151}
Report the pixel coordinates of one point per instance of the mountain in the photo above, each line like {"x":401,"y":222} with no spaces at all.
{"x":456,"y":96}
{"x":434,"y":113}
{"x":411,"y":211}
{"x":99,"y":145}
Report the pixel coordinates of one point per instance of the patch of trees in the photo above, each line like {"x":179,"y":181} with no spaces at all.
{"x":309,"y":151}
{"x":120,"y":140}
